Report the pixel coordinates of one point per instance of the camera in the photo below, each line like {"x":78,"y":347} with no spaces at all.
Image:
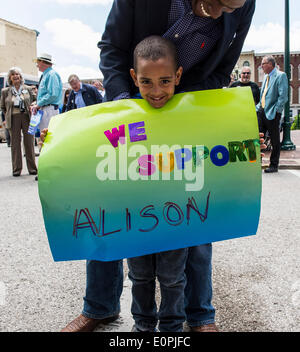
{"x":22,"y":106}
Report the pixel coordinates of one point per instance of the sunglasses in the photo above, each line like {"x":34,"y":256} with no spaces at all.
{"x":246,"y":73}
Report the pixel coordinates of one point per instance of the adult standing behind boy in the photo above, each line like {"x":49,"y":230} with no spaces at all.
{"x":274,"y":94}
{"x":209,"y":36}
{"x":82,"y":94}
{"x":245,"y":81}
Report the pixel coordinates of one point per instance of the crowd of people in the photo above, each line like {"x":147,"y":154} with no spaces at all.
{"x":187,"y":45}
{"x":19,"y":101}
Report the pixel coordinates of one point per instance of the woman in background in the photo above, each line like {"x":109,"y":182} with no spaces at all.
{"x":15,"y":103}
{"x":65,"y":102}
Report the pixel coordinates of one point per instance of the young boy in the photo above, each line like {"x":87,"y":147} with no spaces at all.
{"x":156,"y":74}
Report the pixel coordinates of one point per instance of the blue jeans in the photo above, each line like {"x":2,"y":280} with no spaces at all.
{"x":168,"y":267}
{"x":198,"y":291}
{"x":105,"y":283}
{"x":104,"y":287}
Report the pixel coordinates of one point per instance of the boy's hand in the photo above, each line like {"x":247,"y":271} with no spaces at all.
{"x":43,"y":136}
{"x":262,"y":145}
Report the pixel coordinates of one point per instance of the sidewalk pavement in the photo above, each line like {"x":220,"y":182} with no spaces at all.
{"x":289,"y":159}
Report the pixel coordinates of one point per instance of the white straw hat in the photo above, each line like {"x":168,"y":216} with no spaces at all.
{"x":45,"y":57}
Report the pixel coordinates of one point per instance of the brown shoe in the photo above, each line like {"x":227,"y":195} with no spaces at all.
{"x":205,"y":328}
{"x":84,"y":324}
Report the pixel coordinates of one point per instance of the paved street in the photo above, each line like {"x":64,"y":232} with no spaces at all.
{"x":256,"y":279}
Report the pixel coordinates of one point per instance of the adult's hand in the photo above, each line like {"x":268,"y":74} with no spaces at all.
{"x":262,"y":143}
{"x":34,"y":109}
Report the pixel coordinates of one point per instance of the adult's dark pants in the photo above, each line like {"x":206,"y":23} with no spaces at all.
{"x":20,"y":123}
{"x":273,"y":128}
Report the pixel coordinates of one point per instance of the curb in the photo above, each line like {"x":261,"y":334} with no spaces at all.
{"x":284,"y":167}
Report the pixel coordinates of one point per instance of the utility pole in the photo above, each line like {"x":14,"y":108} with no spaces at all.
{"x":286,"y":143}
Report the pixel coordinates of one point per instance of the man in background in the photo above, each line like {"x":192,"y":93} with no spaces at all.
{"x":49,"y":93}
{"x":98,"y":84}
{"x":245,"y":81}
{"x":50,"y":90}
{"x":274,"y":94}
{"x":82,"y":94}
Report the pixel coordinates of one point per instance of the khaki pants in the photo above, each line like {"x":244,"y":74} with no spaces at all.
{"x":49,"y":112}
{"x":20,"y":122}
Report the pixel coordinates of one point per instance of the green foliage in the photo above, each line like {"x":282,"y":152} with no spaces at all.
{"x":296,"y":124}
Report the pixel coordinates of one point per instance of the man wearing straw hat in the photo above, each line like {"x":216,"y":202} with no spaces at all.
{"x":49,"y":92}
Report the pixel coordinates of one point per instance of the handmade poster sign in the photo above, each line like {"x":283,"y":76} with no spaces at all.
{"x":122,"y":179}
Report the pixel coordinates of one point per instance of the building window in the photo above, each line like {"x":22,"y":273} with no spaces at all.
{"x":260,"y":74}
{"x":291,"y":95}
{"x":246,"y":63}
{"x":299,"y":73}
{"x":292,"y":72}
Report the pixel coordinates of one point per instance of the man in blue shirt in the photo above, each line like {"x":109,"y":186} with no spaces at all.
{"x":49,"y":91}
{"x":82,"y":94}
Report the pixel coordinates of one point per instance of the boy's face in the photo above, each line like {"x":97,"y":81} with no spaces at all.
{"x":156,"y":80}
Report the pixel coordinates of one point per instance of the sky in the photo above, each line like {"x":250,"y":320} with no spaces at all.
{"x":70,"y":29}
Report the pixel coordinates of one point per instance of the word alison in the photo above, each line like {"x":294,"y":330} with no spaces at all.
{"x":172,"y":214}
